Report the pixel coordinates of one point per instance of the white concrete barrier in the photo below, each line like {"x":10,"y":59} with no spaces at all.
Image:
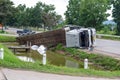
{"x":1,"y":53}
{"x":85,"y":63}
{"x":44,"y":59}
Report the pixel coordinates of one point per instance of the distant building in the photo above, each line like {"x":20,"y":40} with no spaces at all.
{"x":109,"y":22}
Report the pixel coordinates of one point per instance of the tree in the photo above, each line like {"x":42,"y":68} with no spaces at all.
{"x":73,"y":12}
{"x":36,"y":15}
{"x":40,"y":14}
{"x":88,"y":13}
{"x":11,"y":20}
{"x":20,"y":15}
{"x":116,"y":14}
{"x":6,"y":7}
{"x":28,"y":16}
{"x":49,"y":17}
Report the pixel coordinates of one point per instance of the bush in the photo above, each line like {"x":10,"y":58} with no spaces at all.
{"x":107,"y":29}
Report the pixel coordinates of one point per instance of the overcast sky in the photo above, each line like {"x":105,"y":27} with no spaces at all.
{"x":59,"y":4}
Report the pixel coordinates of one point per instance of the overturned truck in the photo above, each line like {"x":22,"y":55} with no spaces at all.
{"x":69,"y":36}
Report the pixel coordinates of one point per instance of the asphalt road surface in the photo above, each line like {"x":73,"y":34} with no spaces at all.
{"x":12,"y":30}
{"x":108,"y":47}
{"x":11,"y":74}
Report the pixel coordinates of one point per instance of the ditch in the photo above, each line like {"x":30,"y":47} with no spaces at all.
{"x":53,"y":58}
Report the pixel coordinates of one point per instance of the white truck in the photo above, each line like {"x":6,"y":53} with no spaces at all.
{"x":80,"y":37}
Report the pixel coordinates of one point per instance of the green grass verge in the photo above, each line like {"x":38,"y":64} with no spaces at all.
{"x":10,"y":61}
{"x":111,"y":38}
{"x":7,"y":38}
{"x":103,"y":62}
{"x":2,"y":31}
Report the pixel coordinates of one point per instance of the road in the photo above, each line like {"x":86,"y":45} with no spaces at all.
{"x":10,"y":74}
{"x":12,"y":30}
{"x":108,"y":47}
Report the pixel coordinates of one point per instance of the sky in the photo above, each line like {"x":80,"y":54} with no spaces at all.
{"x":110,"y":17}
{"x":110,"y":12}
{"x":61,"y":5}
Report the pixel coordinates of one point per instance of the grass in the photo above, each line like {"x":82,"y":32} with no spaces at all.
{"x":10,"y":61}
{"x":2,"y":31}
{"x":99,"y":61}
{"x":7,"y":38}
{"x":111,"y":38}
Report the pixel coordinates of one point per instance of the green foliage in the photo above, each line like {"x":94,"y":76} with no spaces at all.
{"x":107,"y":30}
{"x":73,"y":12}
{"x":1,"y":31}
{"x":87,"y":13}
{"x":7,"y":38}
{"x":61,"y":25}
{"x":105,"y":62}
{"x":41,"y":15}
{"x":116,"y":14}
{"x":21,"y":16}
{"x":6,"y":7}
{"x":9,"y":58}
{"x":10,"y":61}
{"x":59,"y":47}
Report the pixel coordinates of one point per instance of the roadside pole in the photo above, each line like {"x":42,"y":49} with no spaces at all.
{"x":1,"y":53}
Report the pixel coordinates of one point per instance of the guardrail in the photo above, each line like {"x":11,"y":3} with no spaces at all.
{"x":105,"y":36}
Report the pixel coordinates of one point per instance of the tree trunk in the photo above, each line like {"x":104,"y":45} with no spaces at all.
{"x":118,"y":29}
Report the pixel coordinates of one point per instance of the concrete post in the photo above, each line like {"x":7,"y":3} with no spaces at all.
{"x":44,"y":59}
{"x":27,"y":44}
{"x":85,"y":63}
{"x":1,"y":53}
